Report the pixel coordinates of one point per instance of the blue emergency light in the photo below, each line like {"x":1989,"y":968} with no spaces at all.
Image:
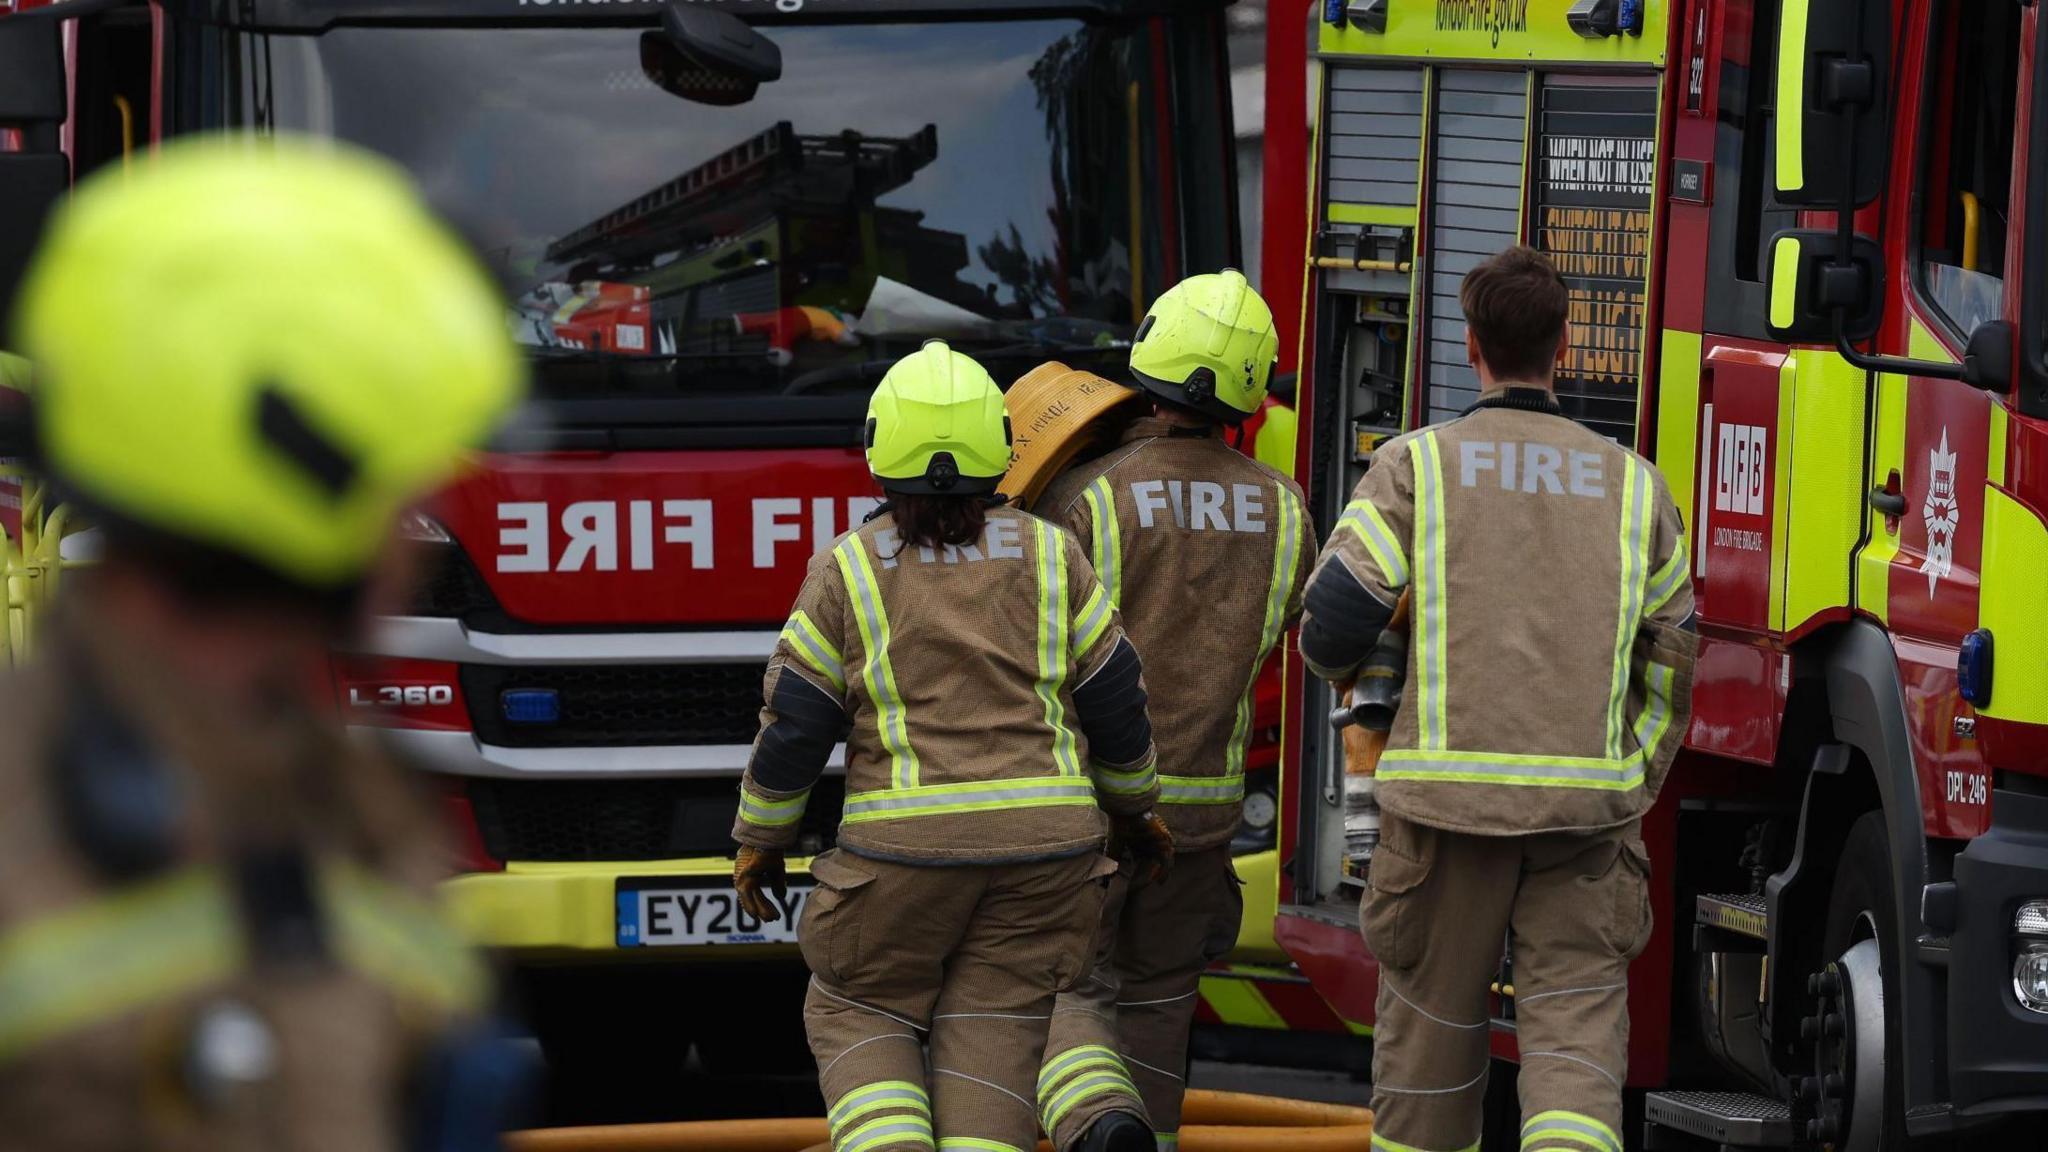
{"x":1973,"y":668}
{"x":531,"y":705}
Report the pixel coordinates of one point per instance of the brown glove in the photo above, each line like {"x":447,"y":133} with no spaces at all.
{"x":1150,"y":843}
{"x":754,"y":870}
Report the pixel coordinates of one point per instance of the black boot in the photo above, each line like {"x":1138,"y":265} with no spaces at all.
{"x":1117,"y":1132}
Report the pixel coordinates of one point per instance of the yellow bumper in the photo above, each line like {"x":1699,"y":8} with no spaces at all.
{"x":569,"y":911}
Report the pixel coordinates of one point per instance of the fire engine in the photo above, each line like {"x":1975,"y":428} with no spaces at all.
{"x":716,"y":222}
{"x":1803,"y":242}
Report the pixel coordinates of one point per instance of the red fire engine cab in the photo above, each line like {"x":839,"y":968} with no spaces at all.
{"x":709,"y":266}
{"x":1804,"y":245}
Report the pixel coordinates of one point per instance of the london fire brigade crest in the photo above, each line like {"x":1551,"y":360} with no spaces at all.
{"x":1940,"y":511}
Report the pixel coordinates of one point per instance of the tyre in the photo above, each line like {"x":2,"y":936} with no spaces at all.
{"x":1860,"y":947}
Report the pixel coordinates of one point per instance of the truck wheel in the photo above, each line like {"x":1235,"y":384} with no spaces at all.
{"x":1856,"y":1090}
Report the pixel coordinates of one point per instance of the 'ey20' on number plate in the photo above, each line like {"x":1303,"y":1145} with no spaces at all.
{"x":662,"y":913}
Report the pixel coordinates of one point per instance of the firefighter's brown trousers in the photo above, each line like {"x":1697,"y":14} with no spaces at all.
{"x":1438,"y":907}
{"x":972,"y":955}
{"x":1120,"y":1038}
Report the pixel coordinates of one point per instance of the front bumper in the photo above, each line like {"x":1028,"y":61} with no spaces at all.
{"x":553,"y":913}
{"x":1998,"y":1050}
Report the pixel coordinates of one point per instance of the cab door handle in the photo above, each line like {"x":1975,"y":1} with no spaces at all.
{"x":1887,"y":501}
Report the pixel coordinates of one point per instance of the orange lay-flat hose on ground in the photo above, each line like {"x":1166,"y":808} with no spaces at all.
{"x":1216,"y":1122}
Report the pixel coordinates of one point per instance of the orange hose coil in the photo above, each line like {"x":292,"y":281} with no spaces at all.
{"x":1214,"y":1122}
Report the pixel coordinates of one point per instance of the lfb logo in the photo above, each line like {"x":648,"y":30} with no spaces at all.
{"x":1739,"y":468}
{"x":1941,"y":513}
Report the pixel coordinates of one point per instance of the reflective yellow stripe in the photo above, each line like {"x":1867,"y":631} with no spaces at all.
{"x":873,"y":1097}
{"x":1635,"y":556}
{"x":1106,"y":547}
{"x":765,"y":813}
{"x":1279,"y":586}
{"x":1575,"y":1126}
{"x":900,"y":1128}
{"x":975,"y":796}
{"x":100,"y":961}
{"x":167,"y":938}
{"x":977,"y":1143}
{"x":1431,"y":713}
{"x":816,"y":651}
{"x":1055,"y":657}
{"x":1092,"y":622}
{"x":1076,"y":1059}
{"x":1083,"y":1089}
{"x":1790,"y":106}
{"x":401,"y":940}
{"x":1667,"y":580}
{"x":1618,"y":775}
{"x":1364,"y":521}
{"x":1201,"y":789}
{"x":1127,"y":782}
{"x":890,"y":721}
{"x":1651,"y":726}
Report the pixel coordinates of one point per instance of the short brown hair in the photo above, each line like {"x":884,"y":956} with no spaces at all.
{"x":1515,"y":304}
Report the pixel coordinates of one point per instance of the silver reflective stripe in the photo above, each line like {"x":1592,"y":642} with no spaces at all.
{"x":1371,"y":528}
{"x":909,"y":1129}
{"x":945,"y":798}
{"x":1201,"y":789}
{"x":1055,"y":656}
{"x":890,"y":722}
{"x":811,"y":645}
{"x":1431,"y":713}
{"x":1094,"y":621}
{"x":1279,"y":587}
{"x":1106,"y":548}
{"x":1634,"y":557}
{"x":1131,"y":783}
{"x":772,"y":813}
{"x":1596,"y":1135}
{"x":1650,"y":726}
{"x":1410,"y":764}
{"x":1669,"y":579}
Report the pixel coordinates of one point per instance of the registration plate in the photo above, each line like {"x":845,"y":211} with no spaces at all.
{"x":656,"y":914}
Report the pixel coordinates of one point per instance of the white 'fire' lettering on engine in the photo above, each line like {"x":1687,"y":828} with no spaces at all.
{"x":591,"y":532}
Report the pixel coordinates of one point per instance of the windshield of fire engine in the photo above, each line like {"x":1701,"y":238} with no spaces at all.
{"x":995,"y":184}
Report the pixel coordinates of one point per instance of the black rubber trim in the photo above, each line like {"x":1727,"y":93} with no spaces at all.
{"x":1110,"y":706}
{"x":792,"y":751}
{"x":1341,"y":619}
{"x":1997,"y":1050}
{"x":1869,"y":713}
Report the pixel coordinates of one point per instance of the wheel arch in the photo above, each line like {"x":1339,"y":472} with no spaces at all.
{"x":1861,"y":759}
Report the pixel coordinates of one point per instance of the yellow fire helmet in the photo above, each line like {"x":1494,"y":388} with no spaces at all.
{"x":936,"y":426}
{"x":1208,"y":344}
{"x":264,"y":349}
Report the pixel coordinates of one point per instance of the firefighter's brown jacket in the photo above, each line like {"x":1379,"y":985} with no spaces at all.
{"x":1551,"y":650}
{"x":1205,"y":552}
{"x":990,"y":706}
{"x":114,"y":957}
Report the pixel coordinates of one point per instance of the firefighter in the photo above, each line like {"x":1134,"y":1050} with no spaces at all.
{"x":1205,"y":552}
{"x":992,"y":711}
{"x":215,"y":927}
{"x":1548,"y":688}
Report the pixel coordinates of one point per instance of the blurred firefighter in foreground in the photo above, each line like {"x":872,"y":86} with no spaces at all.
{"x":992,"y":711}
{"x":1549,"y":685}
{"x":1204,"y":551}
{"x":215,"y":927}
